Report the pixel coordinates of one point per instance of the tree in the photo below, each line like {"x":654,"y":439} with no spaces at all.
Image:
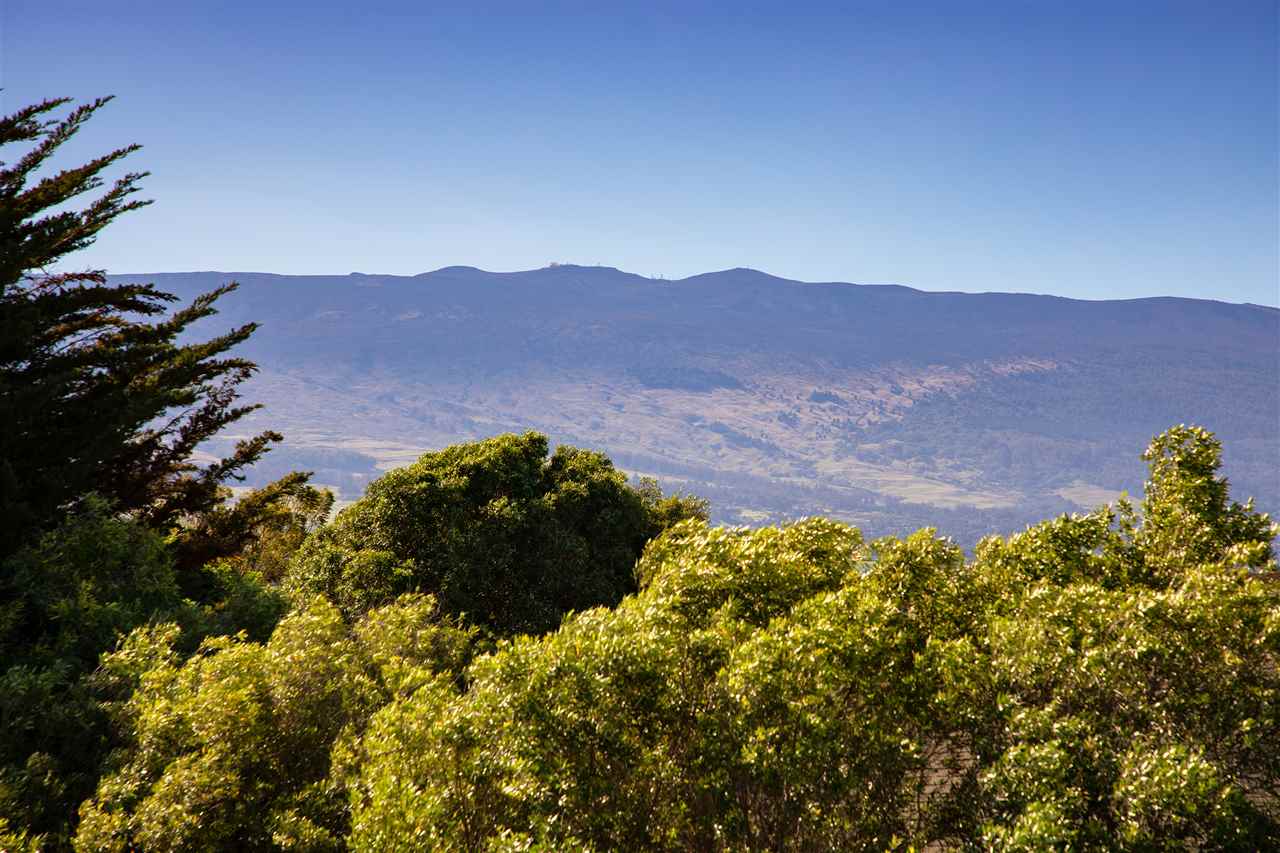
{"x":106,"y":523}
{"x":250,"y":746}
{"x":97,"y":396}
{"x":1087,"y":684}
{"x":70,"y":596}
{"x":74,"y":592}
{"x":1188,"y":516}
{"x":496,"y":530}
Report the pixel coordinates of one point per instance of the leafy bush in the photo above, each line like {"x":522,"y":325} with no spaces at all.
{"x":248,"y":746}
{"x":67,"y":598}
{"x":495,"y":530}
{"x":1106,"y":681}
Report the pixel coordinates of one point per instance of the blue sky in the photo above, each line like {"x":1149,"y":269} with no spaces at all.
{"x":1096,"y":150}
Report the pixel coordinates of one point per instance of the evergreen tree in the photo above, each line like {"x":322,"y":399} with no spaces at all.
{"x":96,"y":393}
{"x":105,"y":522}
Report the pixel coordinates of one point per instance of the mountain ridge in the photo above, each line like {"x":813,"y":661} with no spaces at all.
{"x":466,"y":268}
{"x":882,"y":404}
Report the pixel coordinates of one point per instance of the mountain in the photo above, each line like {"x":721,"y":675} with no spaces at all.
{"x":884,"y":405}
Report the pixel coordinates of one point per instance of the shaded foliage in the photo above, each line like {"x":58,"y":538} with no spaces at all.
{"x":67,"y":598}
{"x":108,"y":522}
{"x":496,"y":529}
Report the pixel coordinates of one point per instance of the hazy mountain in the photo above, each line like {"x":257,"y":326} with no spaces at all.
{"x":885,"y":405}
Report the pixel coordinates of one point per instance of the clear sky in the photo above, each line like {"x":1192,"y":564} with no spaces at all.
{"x":1089,"y":149}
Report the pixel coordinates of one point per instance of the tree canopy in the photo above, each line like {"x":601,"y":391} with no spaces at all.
{"x":496,"y":530}
{"x":1100,"y":682}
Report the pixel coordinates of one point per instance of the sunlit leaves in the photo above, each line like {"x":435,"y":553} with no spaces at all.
{"x":1082,"y":684}
{"x":1085,"y":684}
{"x":251,"y":746}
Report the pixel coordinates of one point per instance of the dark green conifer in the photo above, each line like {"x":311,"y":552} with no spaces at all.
{"x":96,"y":392}
{"x":106,"y":523}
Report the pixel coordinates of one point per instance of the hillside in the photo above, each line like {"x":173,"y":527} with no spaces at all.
{"x":883,"y":405}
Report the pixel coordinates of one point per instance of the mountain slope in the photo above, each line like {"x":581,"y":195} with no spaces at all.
{"x":885,"y":405}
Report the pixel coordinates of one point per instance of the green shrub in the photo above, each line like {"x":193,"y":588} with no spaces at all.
{"x":1106,"y":681}
{"x":248,"y":746}
{"x":495,"y":530}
